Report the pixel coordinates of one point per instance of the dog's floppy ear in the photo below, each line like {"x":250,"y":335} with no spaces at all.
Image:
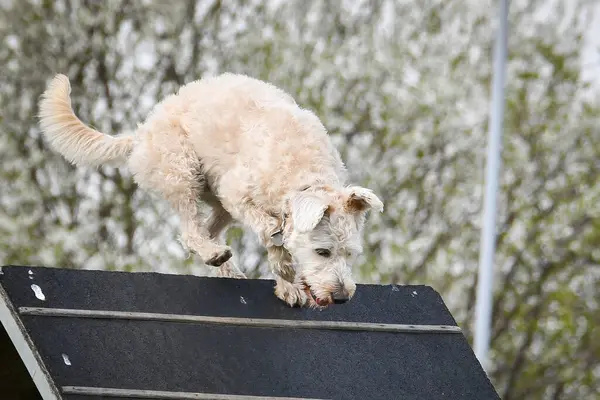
{"x":361,"y":199}
{"x":307,"y":210}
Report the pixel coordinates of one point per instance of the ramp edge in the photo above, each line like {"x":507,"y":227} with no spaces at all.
{"x":26,"y":349}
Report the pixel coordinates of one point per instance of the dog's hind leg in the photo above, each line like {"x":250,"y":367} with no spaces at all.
{"x":217,"y":222}
{"x":229,"y":270}
{"x":167,"y":164}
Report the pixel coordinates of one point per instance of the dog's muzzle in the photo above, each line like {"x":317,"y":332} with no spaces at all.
{"x":340,"y":297}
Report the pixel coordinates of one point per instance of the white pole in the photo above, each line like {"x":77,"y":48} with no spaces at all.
{"x":483,"y":311}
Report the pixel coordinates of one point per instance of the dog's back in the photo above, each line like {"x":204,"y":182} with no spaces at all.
{"x":252,"y":136}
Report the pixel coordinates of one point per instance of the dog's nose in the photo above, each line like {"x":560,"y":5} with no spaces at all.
{"x":340,"y":297}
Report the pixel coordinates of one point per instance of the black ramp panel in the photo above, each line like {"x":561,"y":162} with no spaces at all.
{"x":242,"y":360}
{"x":184,"y":294}
{"x":257,"y":361}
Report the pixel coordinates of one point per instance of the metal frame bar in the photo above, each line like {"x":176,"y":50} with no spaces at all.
{"x":253,"y":322}
{"x":156,"y":394}
{"x":26,"y":349}
{"x":485,"y":286}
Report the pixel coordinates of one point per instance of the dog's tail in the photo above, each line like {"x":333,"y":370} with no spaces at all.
{"x":77,"y":142}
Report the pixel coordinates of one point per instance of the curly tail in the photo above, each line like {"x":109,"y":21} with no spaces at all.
{"x":77,"y":142}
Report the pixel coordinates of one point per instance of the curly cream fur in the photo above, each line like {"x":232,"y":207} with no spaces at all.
{"x":77,"y":142}
{"x":249,"y":151}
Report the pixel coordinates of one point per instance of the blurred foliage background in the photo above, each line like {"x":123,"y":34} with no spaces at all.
{"x":403,"y":87}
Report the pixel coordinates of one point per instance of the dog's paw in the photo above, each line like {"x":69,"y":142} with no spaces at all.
{"x":230,"y":270}
{"x":219,"y":257}
{"x":293,"y":295}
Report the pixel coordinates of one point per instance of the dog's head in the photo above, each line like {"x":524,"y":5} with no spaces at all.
{"x":324,"y":239}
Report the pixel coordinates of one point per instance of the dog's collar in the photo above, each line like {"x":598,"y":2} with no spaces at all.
{"x":277,"y":237}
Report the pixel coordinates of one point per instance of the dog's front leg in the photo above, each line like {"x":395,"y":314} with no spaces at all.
{"x":280,"y":262}
{"x":282,"y":267}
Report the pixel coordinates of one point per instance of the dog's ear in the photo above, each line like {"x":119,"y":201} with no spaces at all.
{"x":360,"y":200}
{"x":307,"y":210}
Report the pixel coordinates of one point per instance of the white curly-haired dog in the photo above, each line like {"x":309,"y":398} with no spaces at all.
{"x":245,"y":148}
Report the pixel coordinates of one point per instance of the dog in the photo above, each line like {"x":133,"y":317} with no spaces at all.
{"x":246,"y":149}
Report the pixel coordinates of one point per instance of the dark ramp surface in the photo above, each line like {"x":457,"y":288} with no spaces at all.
{"x":242,"y":360}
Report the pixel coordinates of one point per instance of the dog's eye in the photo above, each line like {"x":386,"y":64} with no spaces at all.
{"x":323,"y":252}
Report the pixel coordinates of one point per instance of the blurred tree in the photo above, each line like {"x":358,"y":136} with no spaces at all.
{"x":402,"y":87}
